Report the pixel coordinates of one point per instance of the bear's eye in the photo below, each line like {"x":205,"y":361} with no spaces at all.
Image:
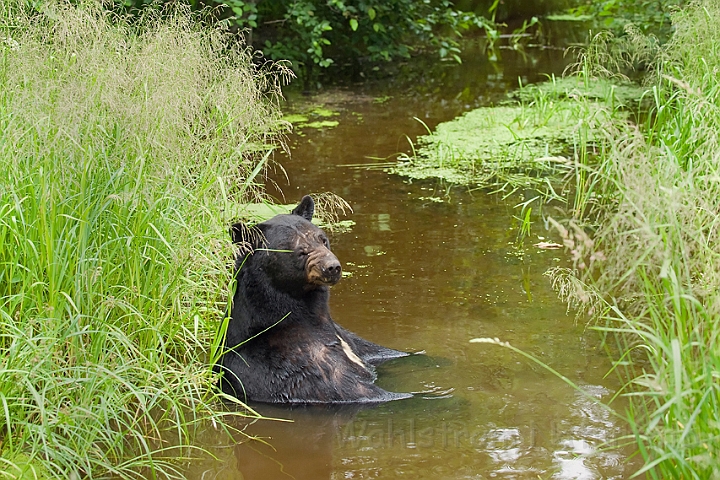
{"x":325,"y":241}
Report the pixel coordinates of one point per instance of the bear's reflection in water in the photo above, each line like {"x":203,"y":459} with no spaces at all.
{"x":301,"y":449}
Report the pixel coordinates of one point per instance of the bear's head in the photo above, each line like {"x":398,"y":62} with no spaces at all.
{"x":293,"y":252}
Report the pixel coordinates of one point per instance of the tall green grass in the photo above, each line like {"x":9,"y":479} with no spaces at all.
{"x":122,"y":146}
{"x":655,"y":279}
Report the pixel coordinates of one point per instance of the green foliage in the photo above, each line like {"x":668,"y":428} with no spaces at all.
{"x":316,"y":34}
{"x":121,"y":146}
{"x":320,"y":33}
{"x":244,"y":14}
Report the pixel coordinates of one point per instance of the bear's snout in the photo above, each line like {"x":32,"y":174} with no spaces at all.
{"x":323,"y":268}
{"x":332,"y":270}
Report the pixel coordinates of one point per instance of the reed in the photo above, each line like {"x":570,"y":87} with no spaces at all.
{"x":654,"y":283}
{"x":122,"y":144}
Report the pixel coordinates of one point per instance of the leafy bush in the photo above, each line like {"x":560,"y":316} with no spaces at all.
{"x":315,"y":34}
{"x":328,"y":31}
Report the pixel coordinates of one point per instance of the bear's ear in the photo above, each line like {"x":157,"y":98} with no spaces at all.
{"x":306,"y":208}
{"x":242,"y":234}
{"x":248,"y":239}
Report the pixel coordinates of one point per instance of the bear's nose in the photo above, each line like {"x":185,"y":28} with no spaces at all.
{"x":332,"y":270}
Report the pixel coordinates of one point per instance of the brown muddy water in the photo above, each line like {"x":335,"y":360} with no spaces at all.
{"x":428,"y":276}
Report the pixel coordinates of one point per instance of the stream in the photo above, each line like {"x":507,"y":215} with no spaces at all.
{"x":432,"y":266}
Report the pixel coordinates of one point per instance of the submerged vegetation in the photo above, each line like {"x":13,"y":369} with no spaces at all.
{"x":121,"y":147}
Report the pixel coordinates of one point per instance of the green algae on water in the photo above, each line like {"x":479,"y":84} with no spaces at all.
{"x":320,"y":124}
{"x":492,"y":142}
{"x":313,"y":116}
{"x":323,"y":111}
{"x":259,"y":212}
{"x":296,"y":118}
{"x":616,"y":93}
{"x":569,"y":17}
{"x":526,"y":143}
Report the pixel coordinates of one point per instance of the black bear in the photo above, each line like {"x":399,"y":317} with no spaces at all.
{"x":281,"y":344}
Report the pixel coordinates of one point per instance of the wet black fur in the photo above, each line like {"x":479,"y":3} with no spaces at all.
{"x":282,"y":346}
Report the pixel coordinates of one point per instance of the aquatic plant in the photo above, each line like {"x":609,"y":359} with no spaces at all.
{"x":329,"y":207}
{"x":317,"y":118}
{"x":534,"y":142}
{"x":121,"y":146}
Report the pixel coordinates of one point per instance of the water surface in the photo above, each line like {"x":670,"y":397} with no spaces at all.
{"x":429,"y":276}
